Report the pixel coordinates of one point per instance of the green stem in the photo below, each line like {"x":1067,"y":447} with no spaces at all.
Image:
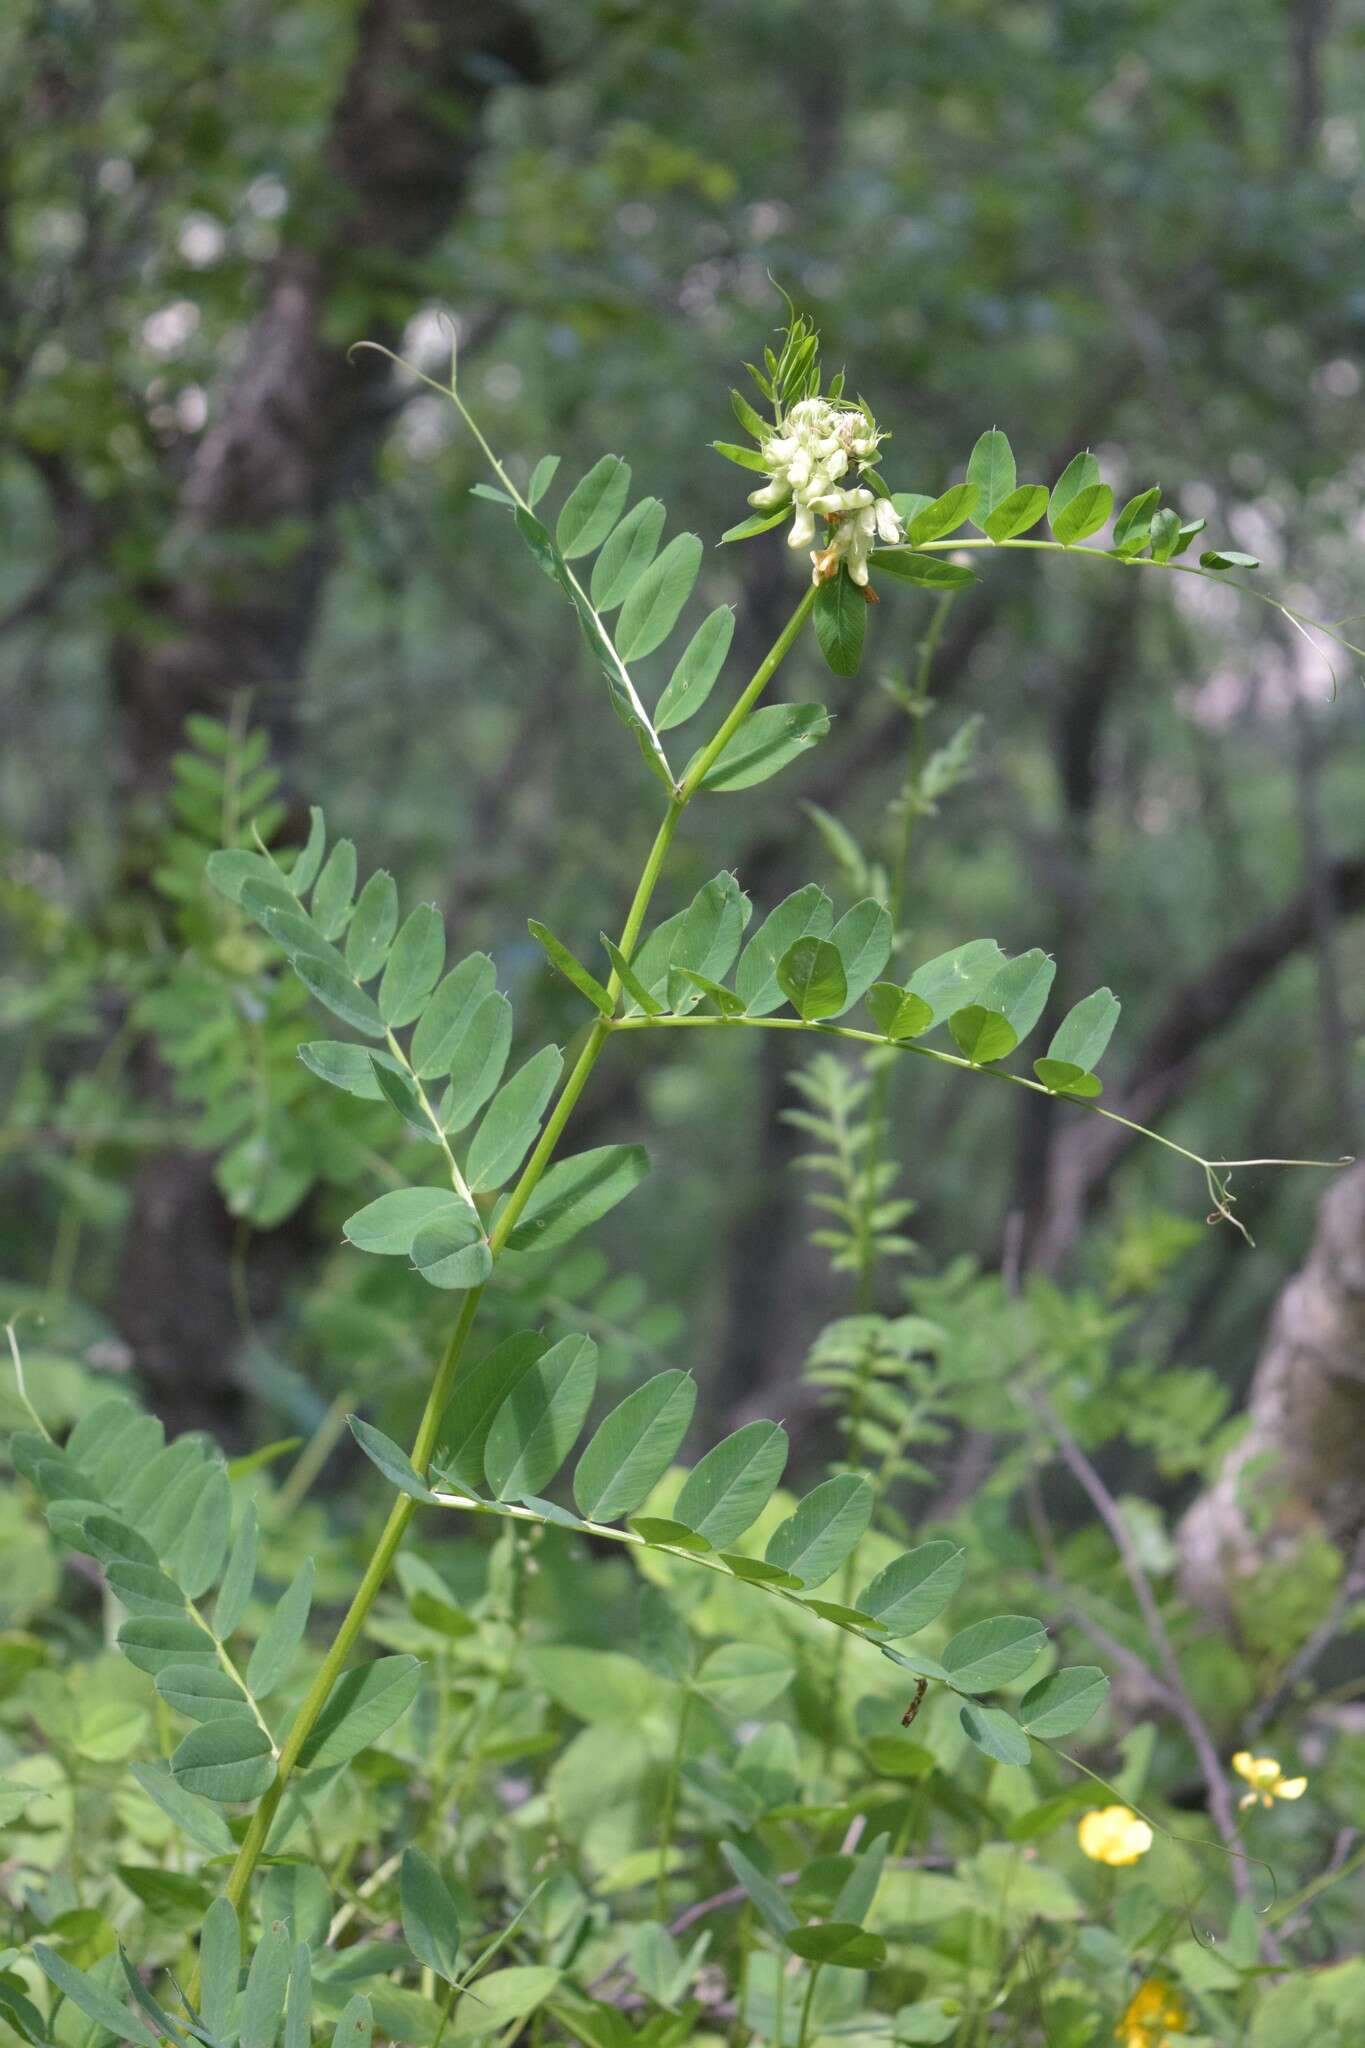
{"x":807,"y":2004}
{"x":395,"y":1528}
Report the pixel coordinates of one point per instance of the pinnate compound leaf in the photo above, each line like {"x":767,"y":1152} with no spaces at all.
{"x":225,"y":1760}
{"x":651,"y":609}
{"x":633,"y":1447}
{"x":592,"y":508}
{"x":626,"y":554}
{"x":273,"y":1657}
{"x":997,"y":1733}
{"x":512,"y":1120}
{"x":991,"y":1653}
{"x":392,"y":1461}
{"x":362,"y":1704}
{"x":390,"y":1224}
{"x":431,"y":1925}
{"x":729,"y":1488}
{"x":1063,"y":1701}
{"x":570,"y":966}
{"x":841,"y":623}
{"x":811,"y":977}
{"x":414,"y":966}
{"x":830,"y":1522}
{"x":700,"y":662}
{"x":914,"y":1588}
{"x":535,"y":1427}
{"x":807,"y":913}
{"x":991,"y":468}
{"x":767,"y":742}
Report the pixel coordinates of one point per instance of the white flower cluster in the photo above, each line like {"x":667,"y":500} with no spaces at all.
{"x":818,"y":446}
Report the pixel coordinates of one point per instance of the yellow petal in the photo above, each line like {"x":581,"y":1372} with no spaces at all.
{"x":1244,"y":1763}
{"x":1291,"y":1788}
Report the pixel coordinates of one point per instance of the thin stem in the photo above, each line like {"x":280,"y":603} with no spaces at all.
{"x":762,"y":676}
{"x":807,"y":2004}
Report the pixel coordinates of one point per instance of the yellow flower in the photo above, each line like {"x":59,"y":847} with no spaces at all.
{"x":1267,"y":1781}
{"x":1113,"y":1834}
{"x":1154,"y":2014}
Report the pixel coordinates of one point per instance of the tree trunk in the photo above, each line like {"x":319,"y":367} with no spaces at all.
{"x":1307,"y":1408}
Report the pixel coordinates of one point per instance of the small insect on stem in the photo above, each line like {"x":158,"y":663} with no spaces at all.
{"x":916,"y":1703}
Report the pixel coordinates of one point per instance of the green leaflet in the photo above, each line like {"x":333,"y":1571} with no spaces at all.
{"x":227,"y":1760}
{"x":479,"y":1393}
{"x":862,"y":939}
{"x":990,"y":1653}
{"x":390,"y":1223}
{"x":806,"y":913}
{"x":991,"y":468}
{"x":942,"y":515}
{"x":768,"y":741}
{"x":1084,"y":1033}
{"x":476,"y":1056}
{"x":729,"y":1488}
{"x":577,"y":1192}
{"x":267,"y":1981}
{"x":444,"y":1023}
{"x":220,"y":1961}
{"x":512,"y":1120}
{"x":272,"y":1659}
{"x":825,"y":1527}
{"x":1083,"y":514}
{"x":626,"y":554}
{"x":1063,"y":1702}
{"x":706,"y":940}
{"x":995,"y":1732}
{"x":414,"y":966}
{"x":431,"y":1926}
{"x":536,"y":1425}
{"x":373,"y":924}
{"x":331,"y":904}
{"x":633,"y":1447}
{"x":952,"y":980}
{"x":394,"y":1463}
{"x":841,"y":623}
{"x":592,"y":508}
{"x":654,"y":601}
{"x":914,"y":1588}
{"x":1016,"y":513}
{"x":811,"y":977}
{"x":570,"y":966}
{"x":700,"y":662}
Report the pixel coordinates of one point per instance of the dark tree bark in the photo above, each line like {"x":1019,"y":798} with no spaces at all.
{"x":295,"y":431}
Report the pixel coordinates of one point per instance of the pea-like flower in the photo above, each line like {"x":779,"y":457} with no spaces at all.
{"x":817,"y":446}
{"x":1267,"y":1781}
{"x":1114,"y":1835}
{"x":1153,"y":2016}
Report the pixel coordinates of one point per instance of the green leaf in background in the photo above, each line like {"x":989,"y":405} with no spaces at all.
{"x":477,"y":1059}
{"x":535,"y":1428}
{"x":768,"y":741}
{"x":700,"y":662}
{"x":389,"y":1224}
{"x":841,"y":623}
{"x":651,"y":609}
{"x":414,"y":966}
{"x":392,"y":1461}
{"x":199,"y":1822}
{"x":569,"y":966}
{"x":991,"y":468}
{"x":267,"y":1982}
{"x":896,"y":1013}
{"x":1084,"y":1033}
{"x":480,"y":1391}
{"x":372,"y":926}
{"x":362,"y":1704}
{"x":444,"y":1023}
{"x":1063,"y":1701}
{"x":273,"y":1657}
{"x":772,"y":1908}
{"x":997,"y":1733}
{"x":225,"y":1760}
{"x":511,"y":1121}
{"x":355,"y":2028}
{"x":811,"y":977}
{"x":862,"y":939}
{"x":577,"y":1192}
{"x":1016,"y":513}
{"x":991,"y":1653}
{"x":744,"y":1679}
{"x":914,"y":1588}
{"x":730,"y":1487}
{"x":220,"y":1962}
{"x":943,"y":515}
{"x":88,"y":1996}
{"x":633,"y":1447}
{"x":626,"y":555}
{"x":431,"y":1925}
{"x":806,"y":913}
{"x":830,"y":1522}
{"x":331,"y":905}
{"x":838,"y":1944}
{"x":982,"y":1035}
{"x":592,"y":508}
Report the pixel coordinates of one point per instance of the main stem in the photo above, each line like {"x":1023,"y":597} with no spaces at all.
{"x":401,"y":1513}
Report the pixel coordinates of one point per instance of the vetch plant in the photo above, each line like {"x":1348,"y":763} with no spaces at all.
{"x":249,"y":1754}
